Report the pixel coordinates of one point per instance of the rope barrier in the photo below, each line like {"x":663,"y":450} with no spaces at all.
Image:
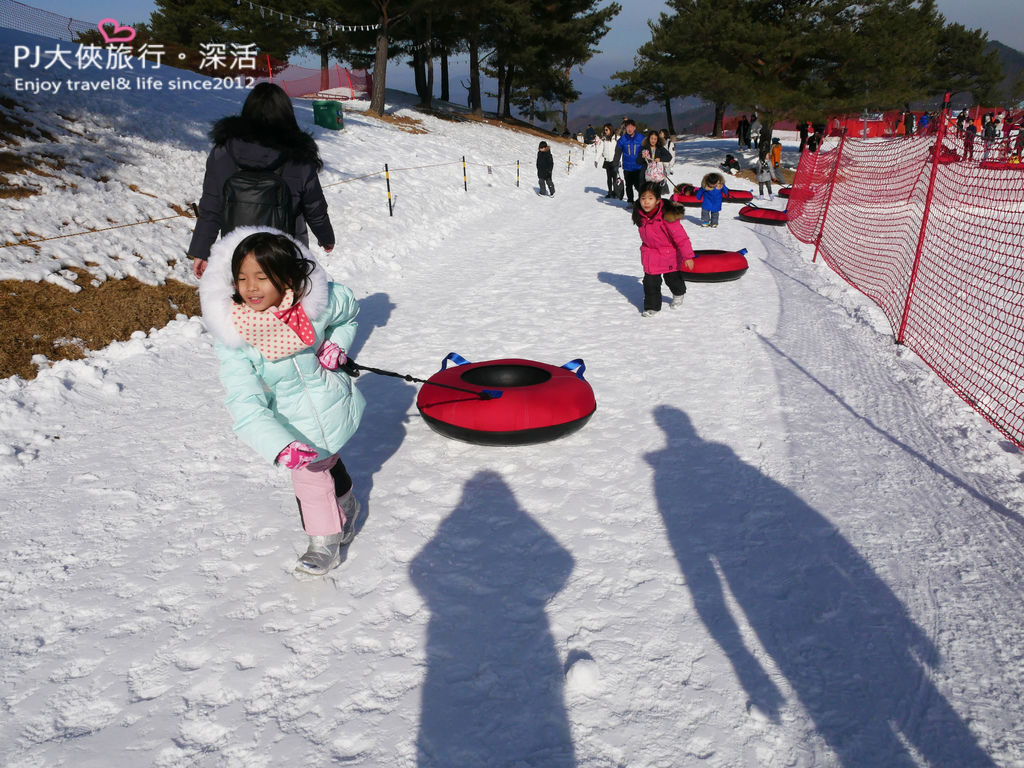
{"x":463,"y":162}
{"x":94,"y":231}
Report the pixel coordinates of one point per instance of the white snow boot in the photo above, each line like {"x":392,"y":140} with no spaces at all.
{"x":677,"y":301}
{"x":323,"y":555}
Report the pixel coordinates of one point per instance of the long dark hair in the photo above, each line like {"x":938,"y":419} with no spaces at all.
{"x":268,"y":118}
{"x":280,"y":260}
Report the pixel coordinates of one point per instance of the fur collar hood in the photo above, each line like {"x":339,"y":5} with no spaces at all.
{"x":216,"y":286}
{"x":296,"y":146}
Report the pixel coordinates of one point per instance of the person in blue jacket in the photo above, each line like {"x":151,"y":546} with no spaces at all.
{"x":281,"y":328}
{"x":627,"y":153}
{"x":712,"y":190}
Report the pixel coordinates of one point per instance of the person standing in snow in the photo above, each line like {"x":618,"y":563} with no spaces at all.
{"x":653,"y":159}
{"x":754,"y":131}
{"x":712,"y":190}
{"x":265,"y":135}
{"x":545,"y":167}
{"x":605,"y":145}
{"x":665,"y":249}
{"x":776,"y":157}
{"x":281,"y":329}
{"x":670,"y":145}
{"x":627,"y":153}
{"x":743,"y":133}
{"x":764,"y":173}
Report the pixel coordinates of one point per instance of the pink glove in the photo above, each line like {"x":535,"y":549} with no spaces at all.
{"x":296,"y":455}
{"x":330,"y":356}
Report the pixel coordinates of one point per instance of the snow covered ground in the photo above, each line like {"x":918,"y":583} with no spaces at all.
{"x":780,"y":541}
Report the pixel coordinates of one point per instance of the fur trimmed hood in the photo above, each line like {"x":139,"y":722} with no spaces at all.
{"x":673,"y":211}
{"x":296,"y":146}
{"x":216,"y":286}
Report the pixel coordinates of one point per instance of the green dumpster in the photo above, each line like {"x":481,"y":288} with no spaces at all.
{"x":328,"y":114}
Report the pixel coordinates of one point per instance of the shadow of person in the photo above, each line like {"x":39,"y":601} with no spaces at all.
{"x":629,"y":286}
{"x":839,"y":636}
{"x":493,"y":689}
{"x":374,"y":312}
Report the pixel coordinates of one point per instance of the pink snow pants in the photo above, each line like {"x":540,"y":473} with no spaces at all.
{"x":318,"y":506}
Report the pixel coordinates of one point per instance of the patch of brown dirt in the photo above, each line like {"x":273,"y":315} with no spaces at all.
{"x":407,"y":124}
{"x":45,"y":319}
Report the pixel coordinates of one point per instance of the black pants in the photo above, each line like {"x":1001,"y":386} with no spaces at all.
{"x":633,"y":179}
{"x":611,"y":171}
{"x":652,"y":288}
{"x":546,"y":180}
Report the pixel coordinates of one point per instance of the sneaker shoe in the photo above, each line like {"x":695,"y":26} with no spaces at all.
{"x":771,"y":197}
{"x":714,"y":225}
{"x":677,"y":301}
{"x":351,"y":507}
{"x":323,"y":555}
{"x":649,"y":313}
{"x":760,"y":197}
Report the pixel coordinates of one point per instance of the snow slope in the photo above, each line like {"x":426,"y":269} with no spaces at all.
{"x":780,"y":541}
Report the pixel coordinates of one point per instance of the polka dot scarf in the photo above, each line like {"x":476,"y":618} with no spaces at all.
{"x":276,"y":333}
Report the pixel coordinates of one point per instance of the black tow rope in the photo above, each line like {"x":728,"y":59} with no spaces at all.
{"x":352,"y":368}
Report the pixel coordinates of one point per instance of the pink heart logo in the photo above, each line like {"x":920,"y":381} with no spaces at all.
{"x":119,"y":35}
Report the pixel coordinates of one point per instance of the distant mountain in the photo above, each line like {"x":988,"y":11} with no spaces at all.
{"x":1013,"y":63}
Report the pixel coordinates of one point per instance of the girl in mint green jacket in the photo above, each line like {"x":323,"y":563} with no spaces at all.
{"x":281,"y":329}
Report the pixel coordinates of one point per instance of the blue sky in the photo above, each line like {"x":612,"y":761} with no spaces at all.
{"x":1002,"y":19}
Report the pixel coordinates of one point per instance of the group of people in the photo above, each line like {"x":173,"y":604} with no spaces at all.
{"x":1003,"y":137}
{"x":643,"y":157}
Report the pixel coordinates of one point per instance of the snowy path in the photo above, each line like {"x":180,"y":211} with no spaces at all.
{"x":775,"y":544}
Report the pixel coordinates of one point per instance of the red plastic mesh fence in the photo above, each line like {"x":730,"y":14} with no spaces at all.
{"x":330,"y":83}
{"x":931,"y":228}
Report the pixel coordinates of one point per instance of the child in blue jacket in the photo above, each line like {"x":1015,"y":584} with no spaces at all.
{"x":712,"y":190}
{"x":281,"y":328}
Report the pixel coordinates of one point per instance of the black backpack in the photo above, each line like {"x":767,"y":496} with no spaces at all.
{"x":257,"y":197}
{"x":619,"y":191}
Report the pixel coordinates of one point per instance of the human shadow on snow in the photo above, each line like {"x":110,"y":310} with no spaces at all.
{"x":492,"y":695}
{"x":832,"y":627}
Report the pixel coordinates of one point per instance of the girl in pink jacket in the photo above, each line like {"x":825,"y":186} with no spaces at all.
{"x":665,"y":249}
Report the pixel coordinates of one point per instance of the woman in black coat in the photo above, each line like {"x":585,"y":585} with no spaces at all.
{"x":265,"y":135}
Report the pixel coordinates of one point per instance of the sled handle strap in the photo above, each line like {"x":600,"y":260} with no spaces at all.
{"x":577,"y":366}
{"x":456,"y":358}
{"x":483,"y":394}
{"x":742,"y":251}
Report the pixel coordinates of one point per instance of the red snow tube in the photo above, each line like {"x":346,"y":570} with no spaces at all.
{"x":682,"y":199}
{"x":762,"y":215}
{"x":713,"y":266}
{"x":738,"y":196}
{"x":531,"y":402}
{"x":784,"y":191}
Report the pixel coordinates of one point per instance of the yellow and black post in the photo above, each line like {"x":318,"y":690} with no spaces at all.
{"x":387,"y":180}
